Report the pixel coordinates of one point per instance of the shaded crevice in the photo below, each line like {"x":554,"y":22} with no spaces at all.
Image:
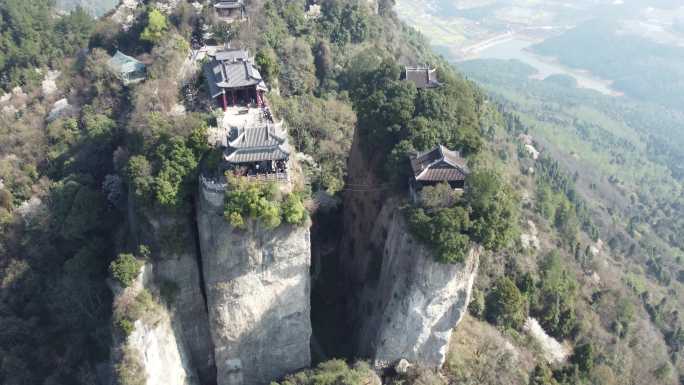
{"x":212,"y":380}
{"x":330,"y":321}
{"x":198,"y":253}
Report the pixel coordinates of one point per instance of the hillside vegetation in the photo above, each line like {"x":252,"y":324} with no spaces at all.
{"x":630,"y":189}
{"x":71,"y":186}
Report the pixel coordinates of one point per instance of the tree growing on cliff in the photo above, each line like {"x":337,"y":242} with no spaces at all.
{"x":443,"y":231}
{"x":125,"y":268}
{"x":494,"y":212}
{"x":294,"y":211}
{"x":506,"y":305}
{"x":246,"y":198}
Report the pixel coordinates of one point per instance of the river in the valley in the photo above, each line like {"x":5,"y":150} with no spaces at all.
{"x":518,"y":48}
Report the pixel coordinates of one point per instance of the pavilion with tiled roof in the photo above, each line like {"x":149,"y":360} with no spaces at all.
{"x":230,"y":10}
{"x":422,"y":76}
{"x":233,"y":79}
{"x":258,"y":150}
{"x":127,"y":68}
{"x":436,"y":166}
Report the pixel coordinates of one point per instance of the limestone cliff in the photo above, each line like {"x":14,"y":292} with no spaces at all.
{"x":412,"y":307}
{"x":151,"y":351}
{"x":158,"y":351}
{"x":171,"y":237}
{"x":401,"y":303}
{"x":257,"y":284}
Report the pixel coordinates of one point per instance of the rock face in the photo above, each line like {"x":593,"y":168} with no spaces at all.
{"x":152,"y":344}
{"x":258,"y":286}
{"x":410,"y":310}
{"x":160,"y":354}
{"x":401,"y":303}
{"x":177,"y":267}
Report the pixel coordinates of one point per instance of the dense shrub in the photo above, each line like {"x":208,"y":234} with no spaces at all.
{"x":345,"y":21}
{"x":448,"y":223}
{"x":583,"y":357}
{"x":125,"y":268}
{"x":293,"y":208}
{"x":157,"y":24}
{"x":166,"y":173}
{"x":333,"y":372}
{"x":505,"y":305}
{"x":323,"y":129}
{"x":542,"y":375}
{"x":267,"y":61}
{"x":246,"y":198}
{"x":494,"y":210}
{"x":444,"y":231}
{"x":124,"y":325}
{"x":555,"y":302}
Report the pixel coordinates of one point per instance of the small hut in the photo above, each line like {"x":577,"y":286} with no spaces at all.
{"x":127,"y":68}
{"x":423,"y":77}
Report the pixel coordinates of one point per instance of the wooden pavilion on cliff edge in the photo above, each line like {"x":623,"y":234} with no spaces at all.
{"x":233,"y":79}
{"x":436,"y":166}
{"x":260,"y":151}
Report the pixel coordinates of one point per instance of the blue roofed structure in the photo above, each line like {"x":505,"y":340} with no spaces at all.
{"x":127,"y":68}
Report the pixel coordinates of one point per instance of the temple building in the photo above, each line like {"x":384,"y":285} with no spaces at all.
{"x":127,"y":69}
{"x":423,"y":77}
{"x":233,"y":79}
{"x":230,"y":10}
{"x":260,"y":151}
{"x":436,"y":166}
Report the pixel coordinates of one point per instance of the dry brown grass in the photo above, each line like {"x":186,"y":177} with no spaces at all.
{"x":480,"y":354}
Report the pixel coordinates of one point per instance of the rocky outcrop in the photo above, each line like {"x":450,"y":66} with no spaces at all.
{"x":151,"y":350}
{"x":410,"y":310}
{"x":257,"y":285}
{"x":158,"y":352}
{"x":171,"y":237}
{"x":401,"y":303}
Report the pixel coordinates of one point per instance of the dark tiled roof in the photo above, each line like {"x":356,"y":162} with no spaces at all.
{"x":248,"y":155}
{"x":228,"y":4}
{"x":263,"y":136}
{"x":441,"y":175}
{"x":231,"y":69}
{"x":439,"y":164}
{"x":422,"y":77}
{"x":231,"y":55}
{"x":256,"y":144}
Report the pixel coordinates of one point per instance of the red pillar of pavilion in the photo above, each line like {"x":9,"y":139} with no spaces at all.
{"x":225,"y":102}
{"x":260,"y":102}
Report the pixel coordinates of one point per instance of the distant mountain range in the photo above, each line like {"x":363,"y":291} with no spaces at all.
{"x":96,"y":7}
